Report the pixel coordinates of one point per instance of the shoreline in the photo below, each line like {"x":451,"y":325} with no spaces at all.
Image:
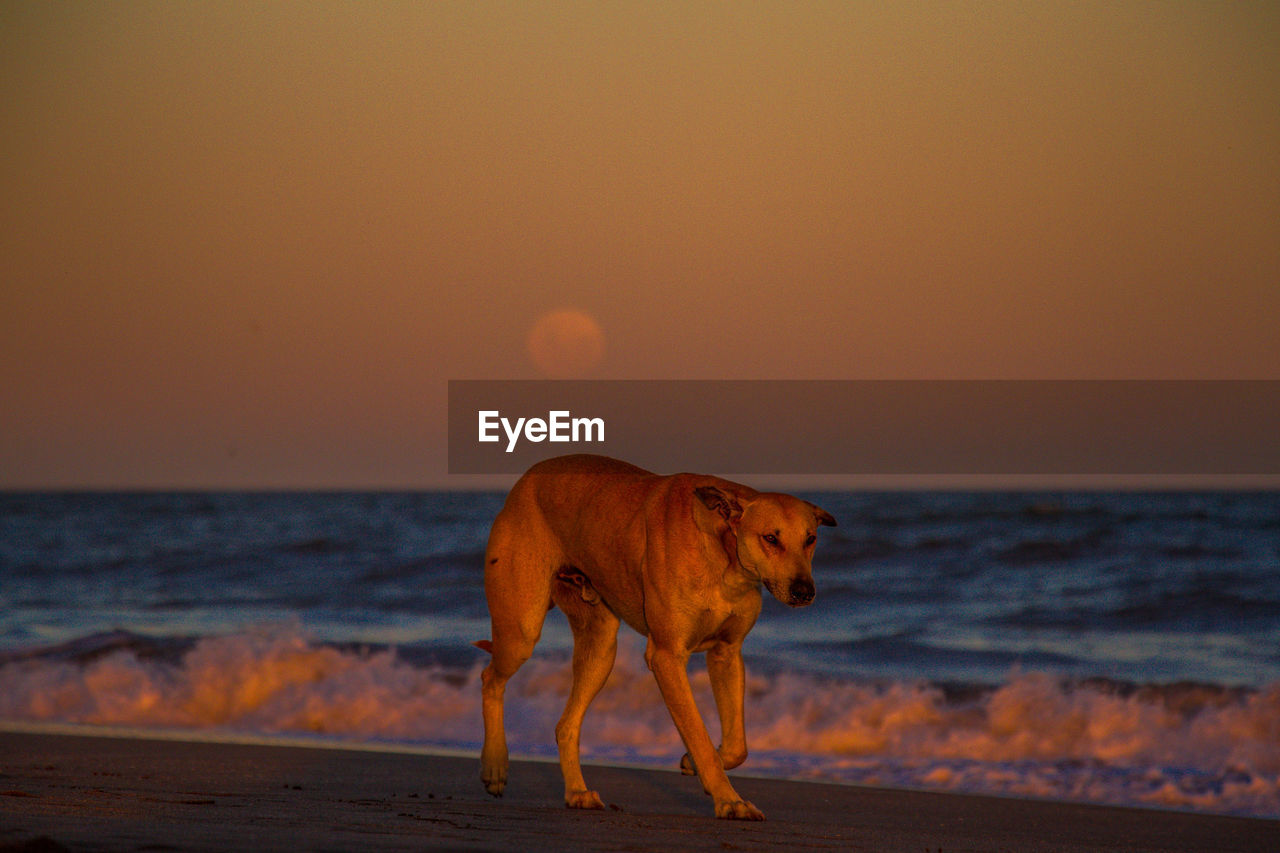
{"x":123,"y":790}
{"x":321,"y":742}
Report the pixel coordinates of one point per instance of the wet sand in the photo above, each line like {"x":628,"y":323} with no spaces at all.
{"x":76,"y":792}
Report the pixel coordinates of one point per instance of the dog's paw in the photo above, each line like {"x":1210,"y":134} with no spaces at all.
{"x":583,"y":800}
{"x":495,"y":779}
{"x":686,"y":766}
{"x":738,"y":810}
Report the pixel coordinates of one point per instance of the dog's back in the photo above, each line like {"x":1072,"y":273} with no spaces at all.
{"x":570,"y":486}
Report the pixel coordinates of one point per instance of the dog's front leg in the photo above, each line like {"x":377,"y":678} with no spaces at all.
{"x":670,"y":670}
{"x":728,"y":685}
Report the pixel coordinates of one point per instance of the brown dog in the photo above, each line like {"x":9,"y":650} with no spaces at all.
{"x":680,"y":559}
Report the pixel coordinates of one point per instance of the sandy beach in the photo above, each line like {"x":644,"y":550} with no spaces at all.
{"x":77,"y":792}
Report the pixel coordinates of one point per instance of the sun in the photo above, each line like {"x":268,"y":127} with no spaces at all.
{"x":566,"y":343}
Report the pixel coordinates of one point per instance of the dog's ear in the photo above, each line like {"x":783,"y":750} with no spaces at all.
{"x":721,"y":502}
{"x":822,"y":516}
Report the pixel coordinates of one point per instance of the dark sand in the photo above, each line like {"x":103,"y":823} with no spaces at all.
{"x":103,"y":793}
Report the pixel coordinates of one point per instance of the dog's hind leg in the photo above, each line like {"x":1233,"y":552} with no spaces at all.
{"x":595,"y":645}
{"x":517,"y":584}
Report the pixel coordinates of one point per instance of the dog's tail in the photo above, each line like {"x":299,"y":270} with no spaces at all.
{"x":484,"y":645}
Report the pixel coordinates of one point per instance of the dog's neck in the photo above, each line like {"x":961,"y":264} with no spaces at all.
{"x":735,"y":572}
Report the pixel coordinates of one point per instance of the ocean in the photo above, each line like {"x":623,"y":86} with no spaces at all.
{"x":1110,"y":647}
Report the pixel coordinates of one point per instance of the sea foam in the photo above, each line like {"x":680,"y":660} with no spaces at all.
{"x":1186,"y":746}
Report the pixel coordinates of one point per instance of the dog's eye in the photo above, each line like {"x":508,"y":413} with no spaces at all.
{"x":812,"y":538}
{"x":771,"y":538}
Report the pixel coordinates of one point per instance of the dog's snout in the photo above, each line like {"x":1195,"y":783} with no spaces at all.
{"x":801,"y":592}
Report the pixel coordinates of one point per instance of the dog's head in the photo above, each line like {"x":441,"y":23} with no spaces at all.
{"x":775,"y":536}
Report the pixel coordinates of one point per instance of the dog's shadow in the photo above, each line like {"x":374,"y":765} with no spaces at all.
{"x":637,"y":791}
{"x":626,"y":790}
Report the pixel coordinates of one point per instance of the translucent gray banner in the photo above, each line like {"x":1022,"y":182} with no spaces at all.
{"x":872,"y":427}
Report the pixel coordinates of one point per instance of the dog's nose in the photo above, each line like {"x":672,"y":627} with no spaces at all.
{"x":801,"y":592}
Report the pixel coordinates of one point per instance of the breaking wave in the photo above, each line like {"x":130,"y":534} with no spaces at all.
{"x":1190,"y":746}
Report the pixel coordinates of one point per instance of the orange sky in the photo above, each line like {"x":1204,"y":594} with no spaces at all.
{"x":246,"y":245}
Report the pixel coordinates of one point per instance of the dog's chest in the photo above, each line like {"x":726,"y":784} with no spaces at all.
{"x":725,"y":620}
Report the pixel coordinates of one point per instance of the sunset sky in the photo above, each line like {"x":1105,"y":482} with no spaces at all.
{"x":246,"y":244}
